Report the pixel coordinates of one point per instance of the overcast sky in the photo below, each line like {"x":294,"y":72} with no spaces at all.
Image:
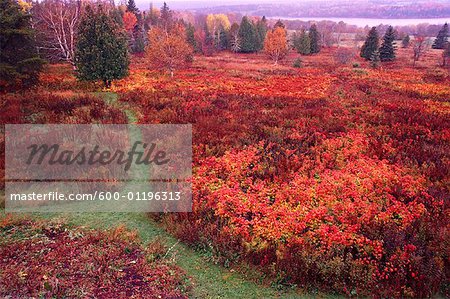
{"x":209,"y":3}
{"x":192,"y":4}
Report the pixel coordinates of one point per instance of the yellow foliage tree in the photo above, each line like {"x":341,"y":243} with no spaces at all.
{"x":275,"y":44}
{"x":215,"y":23}
{"x":168,"y":49}
{"x":25,"y":5}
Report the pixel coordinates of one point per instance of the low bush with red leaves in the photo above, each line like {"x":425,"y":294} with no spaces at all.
{"x":330,"y":179}
{"x":336,"y":181}
{"x":47,"y":108}
{"x":52,"y":260}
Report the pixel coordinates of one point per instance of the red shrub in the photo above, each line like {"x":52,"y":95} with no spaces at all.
{"x":345,"y":190}
{"x":52,"y":260}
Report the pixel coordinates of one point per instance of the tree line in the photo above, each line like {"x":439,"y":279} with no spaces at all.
{"x":373,"y":52}
{"x":97,"y":39}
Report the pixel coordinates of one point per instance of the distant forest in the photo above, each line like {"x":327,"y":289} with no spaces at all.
{"x":348,"y":9}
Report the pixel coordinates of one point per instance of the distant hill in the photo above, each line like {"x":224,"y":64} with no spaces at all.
{"x":393,"y":9}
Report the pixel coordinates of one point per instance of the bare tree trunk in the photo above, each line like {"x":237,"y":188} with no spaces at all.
{"x":58,"y":20}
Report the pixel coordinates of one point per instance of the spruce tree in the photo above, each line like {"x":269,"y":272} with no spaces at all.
{"x":138,"y":32}
{"x":314,"y":39}
{"x":19,"y":61}
{"x":387,"y":49}
{"x":139,"y":40}
{"x":302,"y":43}
{"x":207,"y":46}
{"x":131,"y":7}
{"x":279,"y":24}
{"x":261,"y":28}
{"x":166,"y":17}
{"x":248,"y":36}
{"x":190,"y":37}
{"x":406,"y":41}
{"x":295,"y":39}
{"x":101,"y":50}
{"x":375,"y":59}
{"x":223,"y":39}
{"x":371,"y":44}
{"x":117,"y":15}
{"x":442,"y":38}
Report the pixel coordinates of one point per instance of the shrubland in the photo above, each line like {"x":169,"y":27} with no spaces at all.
{"x":323,"y":177}
{"x":334,"y":179}
{"x":57,"y":260}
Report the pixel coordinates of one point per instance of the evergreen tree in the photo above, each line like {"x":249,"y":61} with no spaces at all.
{"x":190,"y":37}
{"x":117,"y":14}
{"x":19,"y":61}
{"x":208,"y":47}
{"x":314,"y":39}
{"x":261,"y":28}
{"x":295,"y":40}
{"x":297,"y":63}
{"x":138,"y":44}
{"x":165,"y":17}
{"x":406,"y":41}
{"x":101,"y":52}
{"x":442,"y":38}
{"x":279,"y":24}
{"x":375,"y":59}
{"x":139,"y":40}
{"x":387,"y":49}
{"x":223,"y":39}
{"x":131,"y":7}
{"x":305,"y":44}
{"x":302,"y":43}
{"x":371,"y":44}
{"x":248,"y":36}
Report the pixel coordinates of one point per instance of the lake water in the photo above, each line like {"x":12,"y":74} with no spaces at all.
{"x":361,"y":22}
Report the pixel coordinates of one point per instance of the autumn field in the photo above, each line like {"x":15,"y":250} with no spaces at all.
{"x":324,"y":179}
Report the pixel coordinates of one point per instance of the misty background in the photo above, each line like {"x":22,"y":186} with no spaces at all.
{"x":320,"y":9}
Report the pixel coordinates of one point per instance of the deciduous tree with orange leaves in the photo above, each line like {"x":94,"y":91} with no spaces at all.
{"x":129,"y":21}
{"x":168,"y":48}
{"x":275,"y":44}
